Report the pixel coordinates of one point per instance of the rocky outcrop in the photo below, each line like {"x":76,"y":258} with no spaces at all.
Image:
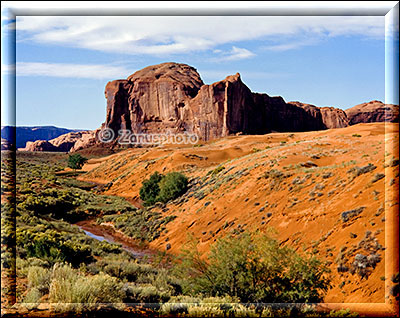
{"x":223,"y":108}
{"x":87,"y":140}
{"x":171,"y":97}
{"x":329,"y":117}
{"x":374,"y":111}
{"x":63,"y":143}
{"x":154,"y":98}
{"x":334,"y":117}
{"x":289,"y":117}
{"x":39,"y":145}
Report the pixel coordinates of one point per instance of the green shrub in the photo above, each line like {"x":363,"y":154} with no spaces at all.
{"x":254,"y":268}
{"x":161,"y":188}
{"x":150,"y":188}
{"x":143,"y":224}
{"x":76,"y":161}
{"x":216,"y":170}
{"x":123,"y":270}
{"x":50,"y":200}
{"x":342,"y":313}
{"x":52,"y":246}
{"x":173,"y":185}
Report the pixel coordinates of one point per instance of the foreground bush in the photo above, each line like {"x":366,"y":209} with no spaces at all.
{"x":254,"y":268}
{"x":68,"y":286}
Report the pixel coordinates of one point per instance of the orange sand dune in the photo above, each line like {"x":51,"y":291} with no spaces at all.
{"x":304,"y":204}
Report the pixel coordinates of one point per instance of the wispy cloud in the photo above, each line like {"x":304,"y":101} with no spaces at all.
{"x":91,"y":71}
{"x":290,"y":44}
{"x":238,"y":53}
{"x":163,"y":35}
{"x":234,"y":54}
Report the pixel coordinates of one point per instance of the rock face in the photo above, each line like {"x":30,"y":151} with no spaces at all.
{"x":39,"y":145}
{"x":87,"y":140}
{"x":223,"y":108}
{"x":171,"y":97}
{"x":374,"y":111}
{"x":329,"y":117}
{"x":63,"y":143}
{"x":334,"y":117}
{"x":154,"y":97}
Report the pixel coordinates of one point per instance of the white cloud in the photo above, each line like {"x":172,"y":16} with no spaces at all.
{"x":91,"y":71}
{"x":238,"y":53}
{"x":287,"y":45}
{"x":160,"y":35}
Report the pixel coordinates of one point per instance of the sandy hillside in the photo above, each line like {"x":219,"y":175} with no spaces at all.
{"x":297,"y":183}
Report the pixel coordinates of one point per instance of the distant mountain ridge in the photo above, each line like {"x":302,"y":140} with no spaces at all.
{"x":23,"y":134}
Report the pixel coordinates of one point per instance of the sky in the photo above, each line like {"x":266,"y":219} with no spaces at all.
{"x":64,"y":62}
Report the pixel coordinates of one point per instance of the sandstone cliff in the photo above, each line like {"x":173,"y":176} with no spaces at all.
{"x":329,"y":117}
{"x":374,"y":111}
{"x":154,"y":98}
{"x":171,"y":97}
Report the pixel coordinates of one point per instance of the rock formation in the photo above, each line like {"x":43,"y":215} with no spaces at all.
{"x":372,"y":112}
{"x":330,"y":117}
{"x":153,"y":98}
{"x":172,"y":98}
{"x":334,"y":117}
{"x":39,"y":145}
{"x":63,"y":143}
{"x":21,"y":134}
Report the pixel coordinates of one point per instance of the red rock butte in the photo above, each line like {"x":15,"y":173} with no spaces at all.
{"x":172,"y":97}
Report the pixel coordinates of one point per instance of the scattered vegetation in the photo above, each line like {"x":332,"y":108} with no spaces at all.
{"x":377,"y":177}
{"x":216,"y":170}
{"x":359,"y":171}
{"x":142,"y":224}
{"x":348,"y":215}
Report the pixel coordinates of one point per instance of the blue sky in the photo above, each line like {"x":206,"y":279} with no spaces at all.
{"x":63,"y":63}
